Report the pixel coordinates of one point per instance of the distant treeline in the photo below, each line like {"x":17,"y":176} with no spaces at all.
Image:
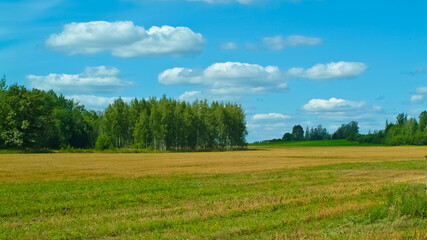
{"x":35,"y":119}
{"x":404,"y":132}
{"x":310,"y":134}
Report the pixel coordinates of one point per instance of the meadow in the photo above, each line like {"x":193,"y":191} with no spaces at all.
{"x":292,"y":192}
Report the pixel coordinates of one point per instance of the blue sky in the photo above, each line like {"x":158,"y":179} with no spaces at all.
{"x":302,"y":62}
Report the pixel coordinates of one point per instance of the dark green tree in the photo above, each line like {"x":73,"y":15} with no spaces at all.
{"x":319,"y":133}
{"x":117,"y":124}
{"x":347,"y":131}
{"x":142,"y":134}
{"x":298,"y":133}
{"x":422,"y":121}
{"x":401,"y":118}
{"x":287,"y":137}
{"x":307,"y":134}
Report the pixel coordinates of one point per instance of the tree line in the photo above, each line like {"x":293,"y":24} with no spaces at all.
{"x":345,"y":131}
{"x":36,"y":119}
{"x":405,"y":131}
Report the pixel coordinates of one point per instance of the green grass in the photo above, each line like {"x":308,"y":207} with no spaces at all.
{"x":318,"y":143}
{"x":307,"y":202}
{"x":8,"y":151}
{"x":16,"y":151}
{"x":78,"y":150}
{"x":402,"y":165}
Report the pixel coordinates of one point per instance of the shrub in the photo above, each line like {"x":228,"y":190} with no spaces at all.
{"x":103,"y":142}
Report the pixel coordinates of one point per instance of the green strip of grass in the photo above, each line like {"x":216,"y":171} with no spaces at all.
{"x":318,"y":143}
{"x":402,"y":165}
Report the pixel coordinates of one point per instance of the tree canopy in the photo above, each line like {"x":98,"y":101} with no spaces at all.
{"x":40,"y":119}
{"x":347,"y":131}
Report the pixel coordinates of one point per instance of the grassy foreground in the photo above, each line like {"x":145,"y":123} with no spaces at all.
{"x":273,"y":193}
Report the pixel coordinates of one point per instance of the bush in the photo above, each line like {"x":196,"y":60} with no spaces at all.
{"x":103,"y":142}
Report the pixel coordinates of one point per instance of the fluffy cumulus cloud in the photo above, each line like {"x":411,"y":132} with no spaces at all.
{"x":332,"y":104}
{"x":232,"y":79}
{"x":228,"y":78}
{"x":278,"y":42}
{"x":93,"y":80}
{"x":340,"y":109}
{"x":95,"y":102}
{"x":330,"y":71}
{"x":124,"y":39}
{"x":420,"y":95}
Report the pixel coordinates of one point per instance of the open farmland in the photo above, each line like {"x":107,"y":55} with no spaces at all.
{"x":262,"y":193}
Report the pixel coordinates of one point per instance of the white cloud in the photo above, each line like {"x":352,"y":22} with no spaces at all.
{"x":190,"y":96}
{"x":330,"y":71}
{"x":335,"y":109}
{"x":94,"y":79}
{"x":329,"y":112}
{"x":229,"y":46}
{"x":96,"y":102}
{"x":262,"y":126}
{"x":279,"y":43}
{"x":235,"y":78}
{"x":270,"y":116}
{"x":420,"y":95}
{"x":333,"y":104}
{"x":124,"y":39}
{"x":266,"y":130}
{"x":417,"y":98}
{"x":228,"y":78}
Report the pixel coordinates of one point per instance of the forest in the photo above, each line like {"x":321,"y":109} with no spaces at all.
{"x":36,"y":119}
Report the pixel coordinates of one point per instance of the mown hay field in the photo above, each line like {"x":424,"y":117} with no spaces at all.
{"x":261,"y":193}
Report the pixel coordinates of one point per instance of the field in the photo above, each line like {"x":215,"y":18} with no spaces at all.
{"x":262,"y":193}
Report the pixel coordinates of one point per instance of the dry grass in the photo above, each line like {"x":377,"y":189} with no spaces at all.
{"x":19,"y":167}
{"x":262,"y":193}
